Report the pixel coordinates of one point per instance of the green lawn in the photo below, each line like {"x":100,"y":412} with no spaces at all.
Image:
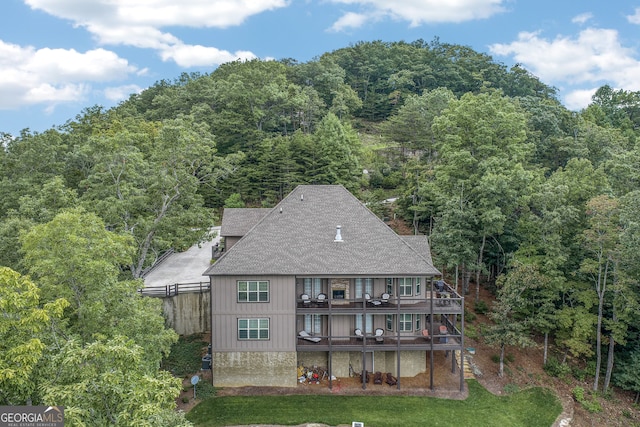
{"x":534,"y":407}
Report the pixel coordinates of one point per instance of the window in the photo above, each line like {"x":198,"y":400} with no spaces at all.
{"x":313,"y":286}
{"x":364,"y":286}
{"x":405,"y":286}
{"x":417,"y":286}
{"x":406,"y":322}
{"x":368,"y":328}
{"x":313,"y":324}
{"x":253,"y":291}
{"x":418,"y":326}
{"x":389,"y":285}
{"x":253,"y":329}
{"x":389,"y":322}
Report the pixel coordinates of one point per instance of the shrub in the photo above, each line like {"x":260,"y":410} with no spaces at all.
{"x":510,"y":358}
{"x":588,"y":402}
{"x":471,"y":332}
{"x":495,"y":358}
{"x":469,"y":316}
{"x":481,"y":307}
{"x":556,"y":369}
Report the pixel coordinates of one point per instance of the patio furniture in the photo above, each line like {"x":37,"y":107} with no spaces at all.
{"x":425,"y":334}
{"x":306,"y":301}
{"x":373,"y":302}
{"x":305,"y":336}
{"x":358,"y":333}
{"x":321,"y":299}
{"x":384,"y":298}
{"x":378,"y":335}
{"x":377,"y":378}
{"x":390,"y":379}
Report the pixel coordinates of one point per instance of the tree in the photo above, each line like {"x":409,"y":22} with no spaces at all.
{"x":510,"y":312}
{"x":23,"y":322}
{"x":75,"y":257}
{"x":146,"y":181}
{"x":483,"y":154}
{"x":337,"y":154}
{"x":109,"y":383}
{"x":601,"y":239}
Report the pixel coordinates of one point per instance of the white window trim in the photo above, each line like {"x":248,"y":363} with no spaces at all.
{"x":258,"y":328}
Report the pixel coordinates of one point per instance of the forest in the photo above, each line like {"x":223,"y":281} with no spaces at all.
{"x":517,"y":194}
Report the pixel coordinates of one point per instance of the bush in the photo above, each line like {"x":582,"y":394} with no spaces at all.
{"x":471,"y":332}
{"x":469,"y":316}
{"x":186,"y":355}
{"x":481,"y":307}
{"x":205,"y":390}
{"x":495,"y":358}
{"x":556,"y":369}
{"x":588,"y":402}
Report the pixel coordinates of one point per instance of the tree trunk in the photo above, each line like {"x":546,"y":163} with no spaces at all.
{"x":484,"y":240}
{"x":546,"y":348}
{"x":607,"y":376}
{"x":501,"y":371}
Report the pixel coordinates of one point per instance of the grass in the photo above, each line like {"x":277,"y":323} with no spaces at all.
{"x":535,"y":407}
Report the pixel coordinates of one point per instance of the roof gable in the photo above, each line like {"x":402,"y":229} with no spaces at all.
{"x":297,"y":238}
{"x":238,"y":221}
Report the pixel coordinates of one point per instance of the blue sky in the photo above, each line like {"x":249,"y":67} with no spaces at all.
{"x":58,"y":57}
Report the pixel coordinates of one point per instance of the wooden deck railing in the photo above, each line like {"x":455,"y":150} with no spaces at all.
{"x":175,"y":289}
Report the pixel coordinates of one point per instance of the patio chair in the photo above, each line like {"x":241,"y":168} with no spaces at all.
{"x":377,"y":378}
{"x":378,"y":335}
{"x":391,"y":380}
{"x":321,"y":299}
{"x":305,"y":336}
{"x":306,"y":301}
{"x":358,"y":333}
{"x":425,"y":334}
{"x":373,"y":302}
{"x":384,"y":298}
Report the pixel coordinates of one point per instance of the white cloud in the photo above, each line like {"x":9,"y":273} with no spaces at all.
{"x":418,"y":12}
{"x":120,"y":93}
{"x":582,"y":18}
{"x":635,"y":18}
{"x":52,"y":76}
{"x":139,"y":23}
{"x":349,"y":20}
{"x":578,"y":99}
{"x":193,"y":56}
{"x":594,"y":56}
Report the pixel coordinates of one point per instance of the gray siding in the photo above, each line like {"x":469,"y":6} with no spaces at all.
{"x":280,"y":310}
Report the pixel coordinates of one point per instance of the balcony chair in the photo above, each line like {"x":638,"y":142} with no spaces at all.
{"x":378,"y":336}
{"x":425,"y":334}
{"x":373,"y":302}
{"x":384,"y":298}
{"x":305,"y":336}
{"x":321,"y":299}
{"x":391,"y":380}
{"x":358,"y":333}
{"x":306,"y":301}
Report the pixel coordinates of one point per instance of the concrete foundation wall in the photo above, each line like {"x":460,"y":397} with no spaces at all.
{"x":188,"y":313}
{"x":237,"y":369}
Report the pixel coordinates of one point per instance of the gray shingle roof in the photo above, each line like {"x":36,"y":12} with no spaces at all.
{"x":297,"y":238}
{"x":238,"y":221}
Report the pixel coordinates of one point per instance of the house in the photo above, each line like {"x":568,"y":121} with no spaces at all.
{"x":320,"y":280}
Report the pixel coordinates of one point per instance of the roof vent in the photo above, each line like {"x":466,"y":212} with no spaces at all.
{"x":338,"y":235}
{"x":301,"y":197}
{"x":280,"y":209}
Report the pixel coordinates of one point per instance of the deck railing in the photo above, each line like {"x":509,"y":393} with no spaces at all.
{"x":175,"y":289}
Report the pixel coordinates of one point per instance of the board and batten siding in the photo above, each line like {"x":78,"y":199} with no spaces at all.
{"x":226,"y":310}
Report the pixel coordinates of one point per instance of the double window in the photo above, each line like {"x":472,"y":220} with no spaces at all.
{"x":406,"y":286}
{"x":253,"y":291}
{"x":253,"y":329}
{"x":406,"y":322}
{"x":313,"y":324}
{"x":313,"y":286}
{"x":364,"y":323}
{"x":363,"y":286}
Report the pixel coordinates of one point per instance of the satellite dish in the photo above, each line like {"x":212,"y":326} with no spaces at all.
{"x":195,"y":379}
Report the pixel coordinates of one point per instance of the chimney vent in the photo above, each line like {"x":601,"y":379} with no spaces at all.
{"x":301,"y":197}
{"x":338,"y":235}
